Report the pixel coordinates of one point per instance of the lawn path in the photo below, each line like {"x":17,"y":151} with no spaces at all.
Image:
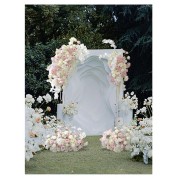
{"x":92,"y":160}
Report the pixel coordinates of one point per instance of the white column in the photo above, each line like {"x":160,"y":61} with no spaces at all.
{"x":59,"y":111}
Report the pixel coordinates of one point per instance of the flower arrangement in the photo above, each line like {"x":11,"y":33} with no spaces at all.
{"x":64,"y":62}
{"x":37,"y":124}
{"x":118,"y":63}
{"x":116,"y":140}
{"x":137,"y":137}
{"x":131,"y":100}
{"x":146,"y":110}
{"x":66,"y":139}
{"x":34,"y":131}
{"x":141,"y":140}
{"x":29,"y":100}
{"x":70,"y":109}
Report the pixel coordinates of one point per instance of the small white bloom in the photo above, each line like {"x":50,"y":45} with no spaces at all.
{"x":39,"y":99}
{"x":132,"y":93}
{"x":47,"y":98}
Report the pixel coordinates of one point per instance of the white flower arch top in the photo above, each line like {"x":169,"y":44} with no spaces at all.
{"x":67,"y":57}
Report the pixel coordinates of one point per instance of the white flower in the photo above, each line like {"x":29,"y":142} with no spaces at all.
{"x":72,"y":40}
{"x":134,"y":140}
{"x":56,"y":95}
{"x":47,"y":98}
{"x":132,"y":93}
{"x":143,"y":110}
{"x":39,"y":99}
{"x":29,"y":100}
{"x":111,"y":42}
{"x":128,"y":57}
{"x":28,"y":96}
{"x":79,"y":129}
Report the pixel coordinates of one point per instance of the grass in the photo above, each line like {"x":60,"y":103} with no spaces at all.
{"x":91,"y":160}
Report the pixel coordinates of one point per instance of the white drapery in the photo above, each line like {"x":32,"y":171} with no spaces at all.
{"x":90,"y":86}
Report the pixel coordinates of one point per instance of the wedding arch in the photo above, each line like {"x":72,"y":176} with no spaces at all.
{"x":91,"y":84}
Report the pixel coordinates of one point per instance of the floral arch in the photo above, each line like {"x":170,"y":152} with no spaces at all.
{"x":98,"y":74}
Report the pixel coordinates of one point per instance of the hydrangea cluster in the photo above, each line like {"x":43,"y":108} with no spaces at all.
{"x":35,"y":127}
{"x":70,"y":109}
{"x":66,"y":139}
{"x":116,"y":140}
{"x":141,"y":140}
{"x":131,"y":100}
{"x":64,"y":62}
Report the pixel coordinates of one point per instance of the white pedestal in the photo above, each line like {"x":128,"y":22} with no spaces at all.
{"x":59,"y":111}
{"x":125,"y":116}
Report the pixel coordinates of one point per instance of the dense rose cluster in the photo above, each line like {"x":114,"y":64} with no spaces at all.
{"x":118,"y":63}
{"x":66,"y":139}
{"x":64,"y":62}
{"x":119,"y":68}
{"x":116,"y":140}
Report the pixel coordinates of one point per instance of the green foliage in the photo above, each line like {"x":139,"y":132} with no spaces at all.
{"x":37,"y":58}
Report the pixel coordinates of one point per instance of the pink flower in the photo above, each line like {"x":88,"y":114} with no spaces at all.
{"x":120,"y":59}
{"x":67,"y":140}
{"x":123,"y":74}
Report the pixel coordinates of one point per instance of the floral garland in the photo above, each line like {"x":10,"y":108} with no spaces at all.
{"x":66,"y":58}
{"x":118,"y":63}
{"x":64,"y":62}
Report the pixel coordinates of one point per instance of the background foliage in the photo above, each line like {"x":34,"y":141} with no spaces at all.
{"x":47,"y":27}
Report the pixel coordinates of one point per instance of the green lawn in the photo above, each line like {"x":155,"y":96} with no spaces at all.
{"x":91,"y":160}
